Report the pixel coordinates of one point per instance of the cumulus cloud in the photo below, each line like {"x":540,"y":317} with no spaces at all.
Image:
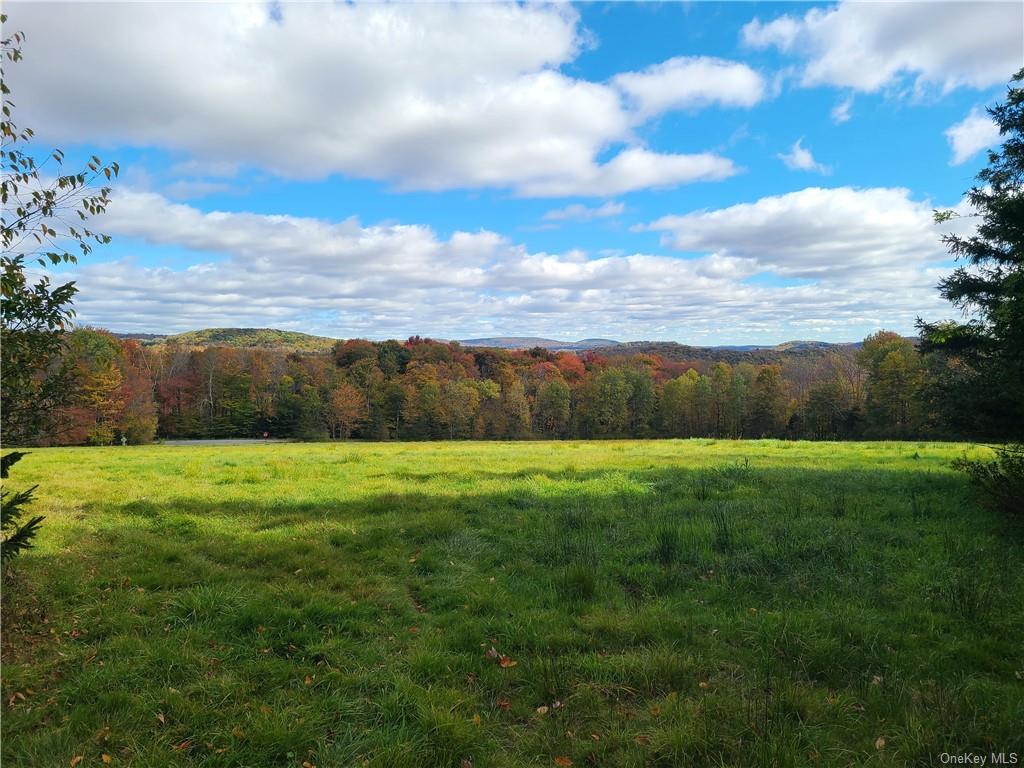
{"x":422,"y":96}
{"x":975,"y":132}
{"x":799,"y":158}
{"x":689,"y":82}
{"x":834,"y":234}
{"x":841,"y":261}
{"x":580,"y":212}
{"x":632,"y":169}
{"x":869,"y":46}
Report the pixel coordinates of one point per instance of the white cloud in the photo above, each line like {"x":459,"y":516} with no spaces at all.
{"x":422,"y":96}
{"x":975,"y":132}
{"x":868,"y":46}
{"x":580,"y":212}
{"x":862,"y":258}
{"x":691,"y":82}
{"x":841,"y":111}
{"x":633,"y":169}
{"x":799,"y":158}
{"x":834,"y":234}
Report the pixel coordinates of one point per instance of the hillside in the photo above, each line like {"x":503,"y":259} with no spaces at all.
{"x":670,"y":350}
{"x":249,"y":338}
{"x":529,"y":342}
{"x":270,"y":338}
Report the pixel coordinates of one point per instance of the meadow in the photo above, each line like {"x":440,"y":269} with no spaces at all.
{"x":617,"y":603}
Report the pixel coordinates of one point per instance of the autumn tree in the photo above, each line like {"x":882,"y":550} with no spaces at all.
{"x":137,"y":421}
{"x":44,"y":221}
{"x":346,"y":410}
{"x":460,"y":401}
{"x":893,"y":387}
{"x":38,"y":200}
{"x":679,"y":405}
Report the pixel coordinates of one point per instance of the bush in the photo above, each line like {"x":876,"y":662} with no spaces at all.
{"x":1001,"y":482}
{"x":17,"y":536}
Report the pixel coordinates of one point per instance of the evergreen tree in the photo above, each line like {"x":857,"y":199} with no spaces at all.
{"x":16,"y":535}
{"x":983,"y":390}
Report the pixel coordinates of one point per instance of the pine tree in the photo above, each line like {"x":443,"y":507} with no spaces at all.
{"x":16,"y":535}
{"x":983,"y":385}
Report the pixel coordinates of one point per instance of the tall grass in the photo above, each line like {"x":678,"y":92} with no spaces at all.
{"x":668,"y":603}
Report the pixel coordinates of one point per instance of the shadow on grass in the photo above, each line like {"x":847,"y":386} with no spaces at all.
{"x":654,"y":603}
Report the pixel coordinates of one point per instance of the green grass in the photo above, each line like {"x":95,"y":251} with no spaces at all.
{"x":670,"y":603}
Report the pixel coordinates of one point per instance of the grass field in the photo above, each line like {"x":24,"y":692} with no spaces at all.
{"x":667,"y":603}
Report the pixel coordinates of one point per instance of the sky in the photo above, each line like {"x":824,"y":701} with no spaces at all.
{"x":701,"y":172}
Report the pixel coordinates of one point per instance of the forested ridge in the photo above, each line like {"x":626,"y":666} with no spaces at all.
{"x":424,"y":389}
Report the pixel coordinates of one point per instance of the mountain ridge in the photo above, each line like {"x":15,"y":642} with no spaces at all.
{"x":272,"y":338}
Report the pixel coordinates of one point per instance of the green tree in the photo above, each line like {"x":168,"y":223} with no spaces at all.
{"x":16,"y":535}
{"x":643,"y":400}
{"x":895,"y":374}
{"x":554,"y":401}
{"x":517,"y":409}
{"x":38,"y":201}
{"x":460,"y":401}
{"x":721,"y":385}
{"x":679,"y":405}
{"x":768,"y":403}
{"x":604,"y":407}
{"x":984,"y":388}
{"x":825,"y":413}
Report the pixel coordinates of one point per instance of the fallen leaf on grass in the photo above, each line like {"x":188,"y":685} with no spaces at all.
{"x":563,"y":761}
{"x":184,"y":744}
{"x":504,"y":704}
{"x":76,"y":760}
{"x":542,"y":710}
{"x":642,"y":740}
{"x":106,"y":758}
{"x":238,"y":733}
{"x":703,"y":685}
{"x":505,"y":662}
{"x":307,"y":680}
{"x":161,"y":718}
{"x":880,"y":742}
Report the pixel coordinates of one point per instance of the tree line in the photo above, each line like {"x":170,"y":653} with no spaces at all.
{"x":428,"y":390}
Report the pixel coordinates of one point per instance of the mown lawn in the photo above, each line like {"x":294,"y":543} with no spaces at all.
{"x":667,"y":603}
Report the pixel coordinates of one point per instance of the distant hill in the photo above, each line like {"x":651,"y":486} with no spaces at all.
{"x":248,"y":338}
{"x":751,"y":353}
{"x":293,"y":341}
{"x":529,"y":342}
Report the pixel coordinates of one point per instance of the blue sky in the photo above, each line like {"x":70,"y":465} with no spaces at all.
{"x":701,"y":172}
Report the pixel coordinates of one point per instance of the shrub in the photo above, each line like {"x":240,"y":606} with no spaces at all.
{"x":1001,"y":482}
{"x":17,"y":536}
